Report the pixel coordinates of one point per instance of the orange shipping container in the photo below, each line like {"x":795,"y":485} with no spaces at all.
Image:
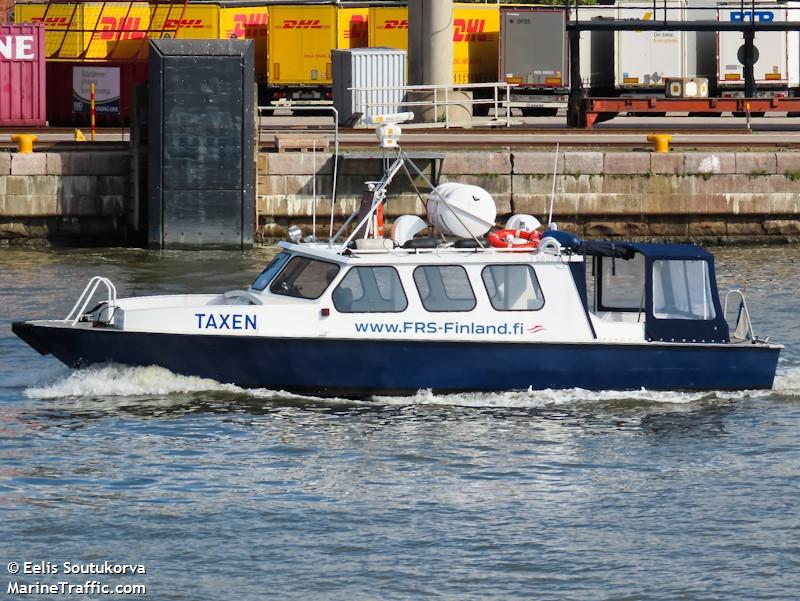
{"x":6,"y":11}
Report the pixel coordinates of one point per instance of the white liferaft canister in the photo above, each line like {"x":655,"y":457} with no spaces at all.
{"x":461,"y":210}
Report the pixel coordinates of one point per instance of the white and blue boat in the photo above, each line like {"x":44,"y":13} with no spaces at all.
{"x":449,"y":311}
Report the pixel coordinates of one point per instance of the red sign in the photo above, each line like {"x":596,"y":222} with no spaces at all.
{"x":250,"y":25}
{"x":469,"y":30}
{"x":301,"y":24}
{"x":184,"y":24}
{"x":52,"y":22}
{"x":124,"y":28}
{"x":395,"y":24}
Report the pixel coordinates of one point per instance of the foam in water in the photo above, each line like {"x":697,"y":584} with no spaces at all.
{"x":788,"y":382}
{"x":121,"y":381}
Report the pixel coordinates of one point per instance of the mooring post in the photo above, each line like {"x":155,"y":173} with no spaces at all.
{"x":749,"y":55}
{"x":574,"y":109}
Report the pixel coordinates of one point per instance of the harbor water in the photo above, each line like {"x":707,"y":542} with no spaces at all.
{"x":224,"y":493}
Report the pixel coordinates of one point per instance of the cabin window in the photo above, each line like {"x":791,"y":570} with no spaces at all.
{"x":621,"y":286}
{"x":682,"y":290}
{"x":370,"y":290}
{"x":444,"y":288}
{"x":513,"y":287}
{"x":270,"y":271}
{"x":304,"y":278}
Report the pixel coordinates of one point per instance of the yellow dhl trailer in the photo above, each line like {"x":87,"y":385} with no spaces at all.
{"x":476,"y":38}
{"x":300,"y":41}
{"x":90,"y":31}
{"x":115,"y":31}
{"x":249,"y":22}
{"x":222,"y":21}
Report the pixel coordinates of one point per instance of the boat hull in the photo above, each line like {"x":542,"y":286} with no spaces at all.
{"x":360,"y":367}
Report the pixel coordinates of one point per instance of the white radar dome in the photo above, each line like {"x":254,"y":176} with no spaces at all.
{"x":461,"y":210}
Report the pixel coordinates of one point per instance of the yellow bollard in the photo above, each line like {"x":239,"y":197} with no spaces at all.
{"x":661,"y":141}
{"x":24,"y":142}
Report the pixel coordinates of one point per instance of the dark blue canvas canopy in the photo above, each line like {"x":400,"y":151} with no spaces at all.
{"x":671,"y":251}
{"x":626,"y":250}
{"x":663,"y":329}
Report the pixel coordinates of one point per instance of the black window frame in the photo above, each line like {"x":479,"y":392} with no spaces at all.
{"x":535,"y":280}
{"x":361,"y":282}
{"x":469,"y":283}
{"x":600,"y":269}
{"x":284,"y":253}
{"x":309,"y":259}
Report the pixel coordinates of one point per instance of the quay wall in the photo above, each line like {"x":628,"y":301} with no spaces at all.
{"x":79,"y":197}
{"x":704,"y":196}
{"x":85,"y":197}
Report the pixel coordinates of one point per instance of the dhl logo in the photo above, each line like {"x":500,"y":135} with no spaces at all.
{"x":470,"y":30}
{"x":301,"y":24}
{"x":52,"y":22}
{"x":124,"y":28}
{"x":395,"y":24}
{"x":184,"y":24}
{"x":249,"y":25}
{"x":359,"y":28}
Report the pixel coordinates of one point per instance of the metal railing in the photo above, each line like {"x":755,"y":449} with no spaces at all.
{"x":88,"y":293}
{"x":746,"y":331}
{"x":443,"y":96}
{"x":334,"y":130}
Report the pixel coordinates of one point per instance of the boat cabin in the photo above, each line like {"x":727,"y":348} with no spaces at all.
{"x":669,"y":291}
{"x":625,"y":292}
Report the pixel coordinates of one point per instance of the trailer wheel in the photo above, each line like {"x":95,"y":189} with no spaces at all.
{"x":481,"y":110}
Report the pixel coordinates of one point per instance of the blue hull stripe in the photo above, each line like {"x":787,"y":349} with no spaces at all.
{"x":362,"y":367}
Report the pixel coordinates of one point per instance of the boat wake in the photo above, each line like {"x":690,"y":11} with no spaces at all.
{"x":121,"y":381}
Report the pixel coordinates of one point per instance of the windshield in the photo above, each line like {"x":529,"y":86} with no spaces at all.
{"x":682,"y":290}
{"x":270,"y":272}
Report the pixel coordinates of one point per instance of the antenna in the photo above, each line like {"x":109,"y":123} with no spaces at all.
{"x":553,"y":190}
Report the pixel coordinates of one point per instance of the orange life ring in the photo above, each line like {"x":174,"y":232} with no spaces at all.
{"x":505,"y":239}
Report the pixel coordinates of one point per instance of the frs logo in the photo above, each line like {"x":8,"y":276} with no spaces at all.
{"x":470,"y":30}
{"x":395,"y":24}
{"x":124,"y":28}
{"x":301,"y":24}
{"x":249,"y":25}
{"x":183,"y":24}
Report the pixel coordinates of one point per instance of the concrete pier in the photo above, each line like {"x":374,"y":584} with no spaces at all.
{"x":723,"y":197}
{"x":77,"y":197}
{"x":84,"y":197}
